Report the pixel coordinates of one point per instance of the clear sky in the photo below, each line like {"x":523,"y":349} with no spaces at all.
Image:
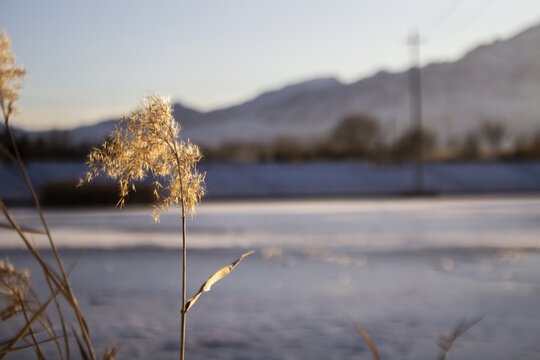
{"x":92,"y":60}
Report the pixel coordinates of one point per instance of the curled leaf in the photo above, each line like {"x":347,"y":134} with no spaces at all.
{"x":220,"y":274}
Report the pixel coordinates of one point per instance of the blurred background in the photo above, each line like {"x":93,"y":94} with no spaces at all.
{"x":382,"y":158}
{"x":393,"y":98}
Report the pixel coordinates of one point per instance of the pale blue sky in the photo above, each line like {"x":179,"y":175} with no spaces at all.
{"x":91,"y":60}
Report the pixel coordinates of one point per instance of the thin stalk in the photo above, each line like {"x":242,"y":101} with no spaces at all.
{"x":49,"y":274}
{"x":183,"y":206}
{"x":37,"y":348}
{"x":17,"y":158}
{"x":50,"y":327}
{"x":46,"y":323}
{"x":19,"y":348}
{"x":62,"y":323}
{"x":9,"y":345}
{"x":47,"y":326}
{"x":44,"y":266}
{"x":72,"y":298}
{"x":183,"y":313}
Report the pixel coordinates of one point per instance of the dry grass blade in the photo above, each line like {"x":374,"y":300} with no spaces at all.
{"x":48,"y":326}
{"x":220,"y":274}
{"x":110,"y":352}
{"x":35,"y":341}
{"x":11,"y":343}
{"x":9,"y":312}
{"x":446,"y":342}
{"x":10,"y":84}
{"x":7,"y":153}
{"x":27,"y":346}
{"x":24,"y":229}
{"x":368,"y":339}
{"x":84,"y":354}
{"x":67,"y":292}
{"x":47,"y":271}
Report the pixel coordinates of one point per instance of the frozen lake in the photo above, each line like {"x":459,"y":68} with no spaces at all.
{"x":406,"y":269}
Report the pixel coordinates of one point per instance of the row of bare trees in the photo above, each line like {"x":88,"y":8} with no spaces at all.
{"x":356,"y":137}
{"x":360,"y":137}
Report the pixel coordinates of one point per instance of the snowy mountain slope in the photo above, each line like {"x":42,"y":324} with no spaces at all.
{"x":495,"y":82}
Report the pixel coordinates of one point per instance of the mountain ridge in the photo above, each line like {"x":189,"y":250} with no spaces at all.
{"x":499,"y":81}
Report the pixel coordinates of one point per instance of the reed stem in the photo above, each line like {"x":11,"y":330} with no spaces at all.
{"x":183,"y":312}
{"x":37,"y":348}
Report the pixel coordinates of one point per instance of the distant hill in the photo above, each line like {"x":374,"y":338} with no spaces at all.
{"x":495,"y":82}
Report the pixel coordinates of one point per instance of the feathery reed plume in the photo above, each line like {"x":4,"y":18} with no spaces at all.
{"x":14,"y":285}
{"x":146,"y":143}
{"x":447,"y":342}
{"x":10,"y":77}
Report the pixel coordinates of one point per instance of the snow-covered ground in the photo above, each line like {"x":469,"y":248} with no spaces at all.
{"x":371,"y":224}
{"x":314,"y":179}
{"x":406,"y":269}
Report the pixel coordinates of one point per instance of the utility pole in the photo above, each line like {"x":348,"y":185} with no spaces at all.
{"x":415,"y":91}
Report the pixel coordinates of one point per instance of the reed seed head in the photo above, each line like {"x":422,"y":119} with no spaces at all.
{"x":14,"y":285}
{"x":10,"y":77}
{"x":147,"y":143}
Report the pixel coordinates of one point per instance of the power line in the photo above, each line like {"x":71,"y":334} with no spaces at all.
{"x":444,"y":16}
{"x":450,"y":10}
{"x":478,"y":14}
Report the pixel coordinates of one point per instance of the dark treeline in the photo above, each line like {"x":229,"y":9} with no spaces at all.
{"x":356,"y":137}
{"x":54,"y":145}
{"x":359,"y":137}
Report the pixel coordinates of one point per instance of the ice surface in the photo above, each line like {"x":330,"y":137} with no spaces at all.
{"x":407,"y":270}
{"x":369,"y":224}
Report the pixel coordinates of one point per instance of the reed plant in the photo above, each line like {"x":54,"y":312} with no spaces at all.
{"x":146,"y":144}
{"x":16,"y":302}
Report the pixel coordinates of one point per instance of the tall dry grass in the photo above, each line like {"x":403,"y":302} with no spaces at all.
{"x":39,"y":322}
{"x":144,"y":143}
